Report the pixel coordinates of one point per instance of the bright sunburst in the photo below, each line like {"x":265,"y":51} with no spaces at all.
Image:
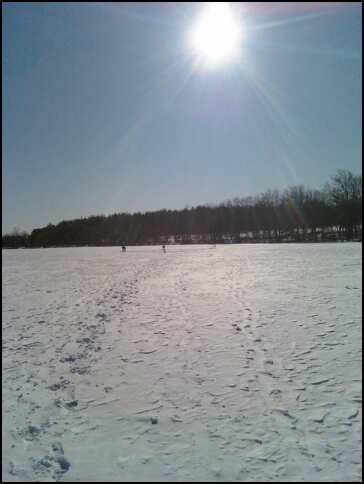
{"x":217,"y":35}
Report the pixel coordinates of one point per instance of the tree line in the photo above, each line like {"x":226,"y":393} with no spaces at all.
{"x":295,"y":214}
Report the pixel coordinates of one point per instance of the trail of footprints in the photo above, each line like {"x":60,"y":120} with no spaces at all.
{"x":292,"y":390}
{"x":72,"y":359}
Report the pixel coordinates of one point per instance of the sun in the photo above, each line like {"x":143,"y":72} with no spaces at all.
{"x":217,"y":36}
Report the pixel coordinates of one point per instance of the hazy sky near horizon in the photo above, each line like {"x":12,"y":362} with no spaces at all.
{"x":105,"y":109}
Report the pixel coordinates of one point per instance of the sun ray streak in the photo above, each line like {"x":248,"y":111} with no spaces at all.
{"x":289,"y":21}
{"x":290,"y":134}
{"x":124,"y":145}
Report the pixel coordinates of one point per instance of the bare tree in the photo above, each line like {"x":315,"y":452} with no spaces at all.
{"x":345,"y":192}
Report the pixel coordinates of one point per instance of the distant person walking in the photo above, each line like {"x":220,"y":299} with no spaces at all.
{"x":163,"y":248}
{"x":123,"y":248}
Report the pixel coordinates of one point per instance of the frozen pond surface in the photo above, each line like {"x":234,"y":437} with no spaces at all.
{"x":240,"y":363}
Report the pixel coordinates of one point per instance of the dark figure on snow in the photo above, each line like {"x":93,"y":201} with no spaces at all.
{"x":163,"y":248}
{"x":123,"y":248}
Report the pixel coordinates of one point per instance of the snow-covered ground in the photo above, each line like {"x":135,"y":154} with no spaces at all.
{"x":240,"y":363}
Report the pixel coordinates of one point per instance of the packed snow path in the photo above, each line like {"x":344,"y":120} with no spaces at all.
{"x":240,"y":363}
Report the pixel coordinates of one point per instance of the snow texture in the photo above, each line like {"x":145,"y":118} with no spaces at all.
{"x":235,"y":363}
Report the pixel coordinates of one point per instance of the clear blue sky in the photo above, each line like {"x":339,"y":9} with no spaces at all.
{"x":103,"y":110}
